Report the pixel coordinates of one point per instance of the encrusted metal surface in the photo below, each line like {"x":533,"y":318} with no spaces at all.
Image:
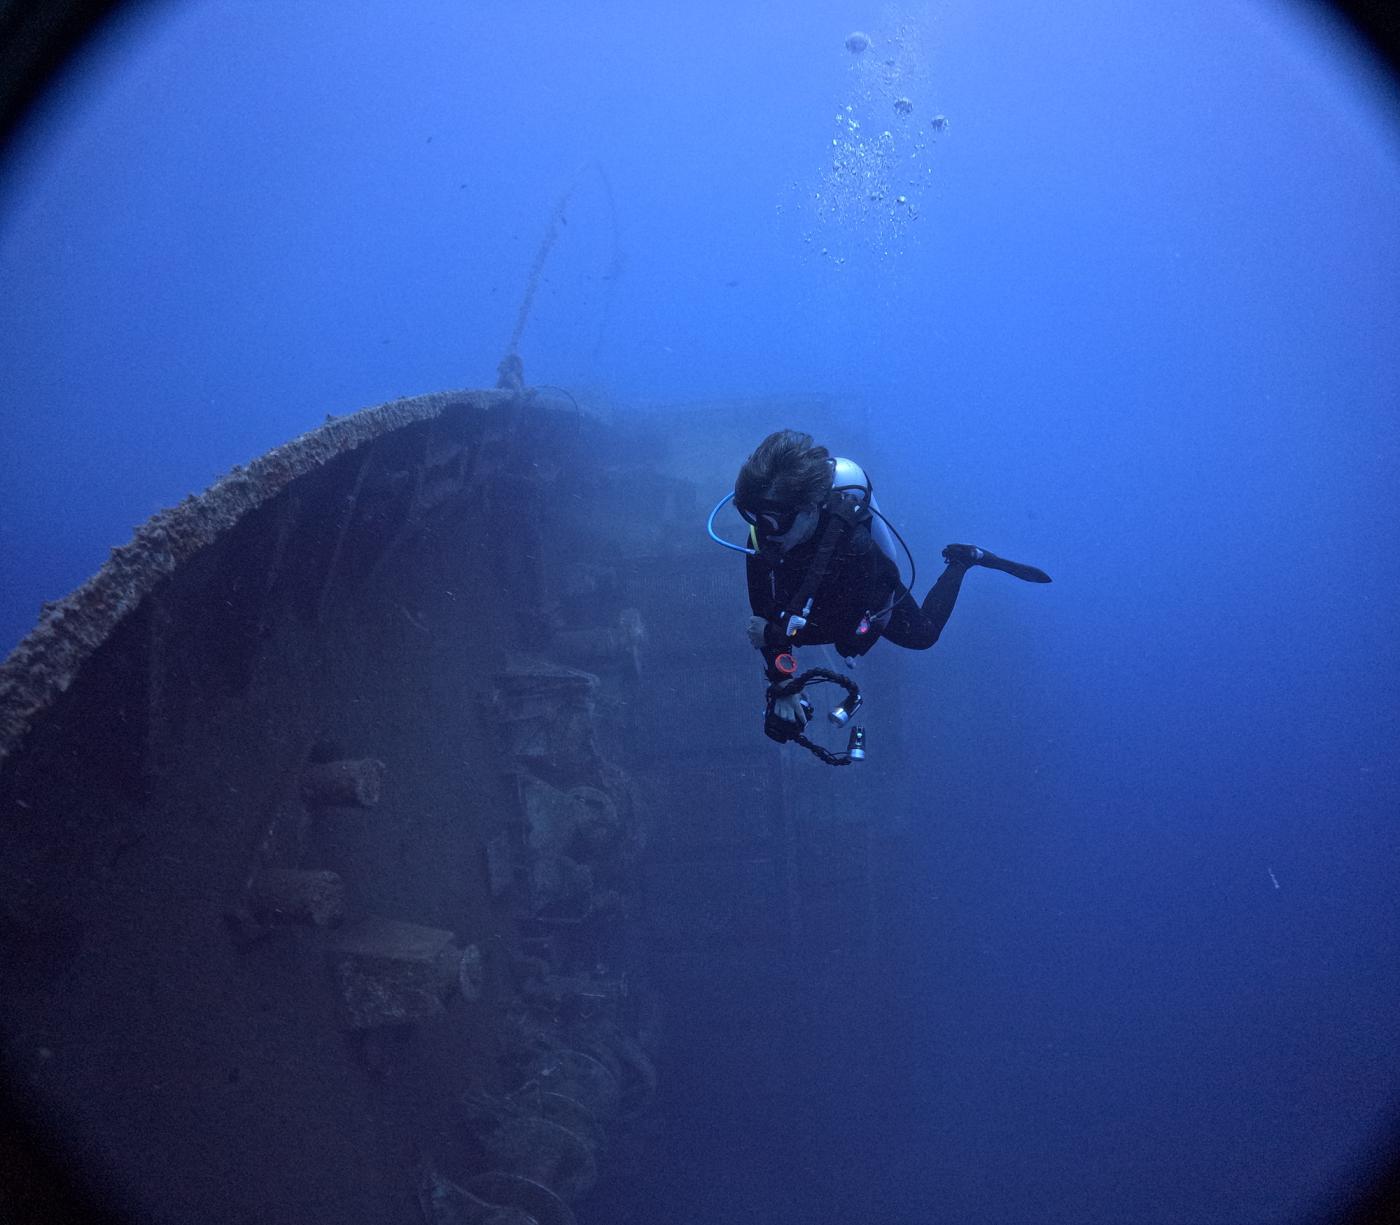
{"x":45,"y":663}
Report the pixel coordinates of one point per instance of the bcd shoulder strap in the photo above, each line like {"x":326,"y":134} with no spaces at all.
{"x":844,"y":514}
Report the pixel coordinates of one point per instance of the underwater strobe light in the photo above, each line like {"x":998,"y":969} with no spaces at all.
{"x":841,"y":715}
{"x":855,"y":747}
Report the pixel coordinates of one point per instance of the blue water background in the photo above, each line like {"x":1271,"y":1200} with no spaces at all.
{"x":1142,"y":333}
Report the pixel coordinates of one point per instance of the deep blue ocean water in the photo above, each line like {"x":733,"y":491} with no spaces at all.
{"x":1132,"y":317}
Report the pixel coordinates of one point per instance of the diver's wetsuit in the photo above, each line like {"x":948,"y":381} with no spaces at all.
{"x":857,"y":587}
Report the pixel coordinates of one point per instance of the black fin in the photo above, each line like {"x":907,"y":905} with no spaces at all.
{"x":1027,"y":574}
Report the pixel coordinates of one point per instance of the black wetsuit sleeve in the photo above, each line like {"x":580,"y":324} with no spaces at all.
{"x":775,"y":643}
{"x":761,"y":598}
{"x":763,"y":604}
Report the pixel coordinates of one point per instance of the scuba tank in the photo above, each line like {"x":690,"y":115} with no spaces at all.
{"x":849,"y":477}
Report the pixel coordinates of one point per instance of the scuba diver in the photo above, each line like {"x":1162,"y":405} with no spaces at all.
{"x":822,"y":570}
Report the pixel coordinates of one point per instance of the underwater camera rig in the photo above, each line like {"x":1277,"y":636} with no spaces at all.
{"x":784,"y":730}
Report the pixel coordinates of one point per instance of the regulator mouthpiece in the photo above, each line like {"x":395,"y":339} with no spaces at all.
{"x":855,"y":748}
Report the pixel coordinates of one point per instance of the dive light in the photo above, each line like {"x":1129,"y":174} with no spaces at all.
{"x":855,"y":747}
{"x":841,"y":715}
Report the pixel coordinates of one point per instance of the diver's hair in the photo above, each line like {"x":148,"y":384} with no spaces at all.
{"x":787,"y":468}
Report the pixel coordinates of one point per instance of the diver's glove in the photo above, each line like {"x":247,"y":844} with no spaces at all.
{"x":757,"y":628}
{"x":793,"y":709}
{"x":786,"y":716}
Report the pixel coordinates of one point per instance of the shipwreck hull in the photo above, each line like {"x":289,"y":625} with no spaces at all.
{"x":229,"y":979}
{"x":357,"y":815}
